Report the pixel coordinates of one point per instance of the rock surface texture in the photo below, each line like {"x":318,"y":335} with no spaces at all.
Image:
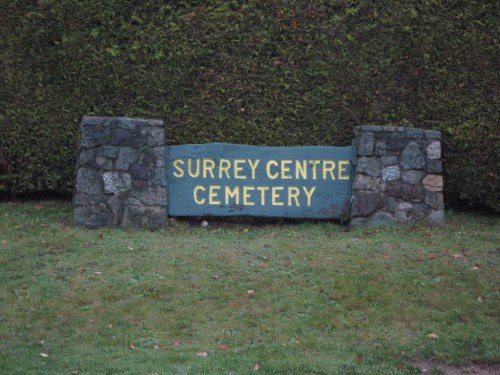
{"x":120,"y":173}
{"x":398,"y":176}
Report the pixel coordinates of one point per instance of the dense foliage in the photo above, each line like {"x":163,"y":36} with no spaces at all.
{"x":285,"y":72}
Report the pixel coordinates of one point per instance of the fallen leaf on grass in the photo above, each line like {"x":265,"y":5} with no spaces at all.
{"x":431,"y":256}
{"x":39,"y":206}
{"x":358,"y":358}
{"x":176,"y":343}
{"x":251,"y":293}
{"x":44,"y":355}
{"x":466,"y":253}
{"x":97,"y":273}
{"x":74,"y":372}
{"x":156,"y":347}
{"x":457,"y":255}
{"x":82,"y":269}
{"x":5,"y":242}
{"x":132,"y":346}
{"x":256,"y":367}
{"x":202,"y":354}
{"x":475,"y":268}
{"x":400,"y":365}
{"x":222,"y":347}
{"x":262,"y":265}
{"x":479,"y":299}
{"x":432,"y":335}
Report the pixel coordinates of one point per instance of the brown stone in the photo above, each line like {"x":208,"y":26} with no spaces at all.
{"x":366,"y":203}
{"x":433,"y":182}
{"x":400,"y":189}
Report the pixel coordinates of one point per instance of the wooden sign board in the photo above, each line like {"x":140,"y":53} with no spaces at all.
{"x":220,"y":179}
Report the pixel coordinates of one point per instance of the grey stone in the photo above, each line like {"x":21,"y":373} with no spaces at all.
{"x":391,"y":173}
{"x":151,"y":196}
{"x":391,"y":204}
{"x":400,"y":189}
{"x":369,"y":165}
{"x":389,"y":160}
{"x":404,"y":212}
{"x":412,"y":156}
{"x":370,"y":128}
{"x":414,"y":133}
{"x":116,"y":182}
{"x":107,"y":151}
{"x":435,"y":166}
{"x":158,"y":179}
{"x":421,"y":211}
{"x":434,"y":200}
{"x":104,"y":163}
{"x":126,"y":156}
{"x":123,"y":137}
{"x":394,"y":146}
{"x":80,"y":199}
{"x":88,"y":181}
{"x":380,"y":219}
{"x":144,"y":217}
{"x":147,"y":158}
{"x":412,"y":176}
{"x":366,"y":142}
{"x":400,"y":133}
{"x":389,"y":128}
{"x":380,"y":148}
{"x":159,"y":153}
{"x":92,"y":216}
{"x":436,"y":217}
{"x":363,"y":182}
{"x":141,"y":172}
{"x":153,"y":135}
{"x":434,"y":150}
{"x":366,"y":202}
{"x":86,"y":157}
{"x":93,"y":136}
{"x":93,"y":120}
{"x":358,"y":222}
{"x":123,"y":123}
{"x":115,"y":205}
{"x":432,"y":134}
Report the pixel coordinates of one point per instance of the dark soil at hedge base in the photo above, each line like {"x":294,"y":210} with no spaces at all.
{"x":267,"y":73}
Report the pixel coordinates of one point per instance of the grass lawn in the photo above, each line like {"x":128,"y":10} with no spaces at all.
{"x":310,"y":298}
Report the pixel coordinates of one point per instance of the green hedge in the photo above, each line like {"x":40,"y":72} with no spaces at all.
{"x":256,"y":72}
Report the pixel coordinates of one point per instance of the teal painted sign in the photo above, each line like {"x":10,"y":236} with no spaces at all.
{"x":220,"y":179}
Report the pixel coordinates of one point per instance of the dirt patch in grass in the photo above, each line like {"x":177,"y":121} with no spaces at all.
{"x":435,"y":368}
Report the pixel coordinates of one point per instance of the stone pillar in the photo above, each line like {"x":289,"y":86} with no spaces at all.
{"x":120,"y":173}
{"x":398,"y":176}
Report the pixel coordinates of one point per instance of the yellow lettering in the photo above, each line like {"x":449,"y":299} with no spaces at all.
{"x":268,"y":169}
{"x":235,"y":194}
{"x":253,"y":166}
{"x":195,"y":194}
{"x":246,"y":195}
{"x":208,"y":166}
{"x":314,"y":164}
{"x":309,"y":194}
{"x":177,"y":165}
{"x":293,"y":193}
{"x":238,"y":168}
{"x":275,"y":195}
{"x":212,"y":194}
{"x":342,"y":169}
{"x":328,"y":166}
{"x":301,"y":169}
{"x":190,"y":168}
{"x":224,"y":166}
{"x":262,"y":190}
{"x":285,"y":168}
